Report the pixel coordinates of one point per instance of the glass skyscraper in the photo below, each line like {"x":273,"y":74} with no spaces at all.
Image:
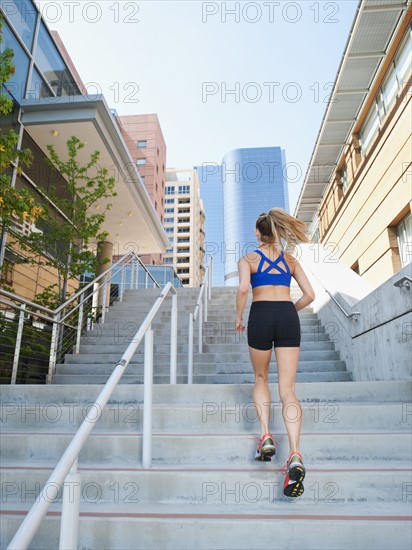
{"x":248,"y":182}
{"x":211,"y":192}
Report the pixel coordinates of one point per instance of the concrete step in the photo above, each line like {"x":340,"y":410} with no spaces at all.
{"x":203,"y":487}
{"x":92,"y":378}
{"x":160,"y":346}
{"x":390,"y":391}
{"x":182,"y":358}
{"x":322,"y":526}
{"x":201,"y":368}
{"x":198,"y":449}
{"x":209,"y":417}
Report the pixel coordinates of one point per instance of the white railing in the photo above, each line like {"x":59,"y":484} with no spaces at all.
{"x":79,"y":313}
{"x":200,"y":312}
{"x":66,"y":474}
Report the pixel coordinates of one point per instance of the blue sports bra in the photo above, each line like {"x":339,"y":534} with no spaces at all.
{"x":261,"y":278}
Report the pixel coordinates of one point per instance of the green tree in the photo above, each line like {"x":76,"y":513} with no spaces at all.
{"x":65,"y":235}
{"x":15,"y":205}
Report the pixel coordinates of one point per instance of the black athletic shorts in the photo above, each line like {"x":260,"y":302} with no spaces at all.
{"x":273,"y":323}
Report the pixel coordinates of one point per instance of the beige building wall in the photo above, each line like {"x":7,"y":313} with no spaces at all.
{"x":184,"y":223}
{"x":362,"y":208}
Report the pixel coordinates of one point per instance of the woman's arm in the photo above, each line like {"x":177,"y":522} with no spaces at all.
{"x":305,"y":286}
{"x":242,"y":292}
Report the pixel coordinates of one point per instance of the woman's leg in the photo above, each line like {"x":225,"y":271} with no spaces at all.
{"x":261,"y":396}
{"x":287,"y":364}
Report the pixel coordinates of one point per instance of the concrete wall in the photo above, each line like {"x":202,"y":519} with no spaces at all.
{"x":378,"y":344}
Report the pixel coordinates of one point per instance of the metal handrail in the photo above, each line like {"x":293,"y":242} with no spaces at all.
{"x":66,"y":469}
{"x":59,"y":317}
{"x":354,"y":315}
{"x":205,"y":294}
{"x":39,"y":315}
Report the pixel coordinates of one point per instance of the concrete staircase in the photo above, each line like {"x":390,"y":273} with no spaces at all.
{"x":205,"y":491}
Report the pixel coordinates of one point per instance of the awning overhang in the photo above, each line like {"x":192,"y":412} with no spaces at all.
{"x":132,"y":222}
{"x":373,"y":29}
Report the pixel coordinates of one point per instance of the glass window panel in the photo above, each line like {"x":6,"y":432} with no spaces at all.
{"x":53,"y":67}
{"x":22,"y":15}
{"x":142,"y":144}
{"x":404,"y":60}
{"x":17,"y":84}
{"x":404,"y":230}
{"x":38,"y":87}
{"x":369,"y":128}
{"x":390,"y":88}
{"x":141,"y":162}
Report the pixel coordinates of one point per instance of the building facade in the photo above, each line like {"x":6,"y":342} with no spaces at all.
{"x":144,"y":138}
{"x":254,"y":181}
{"x":49,"y":108}
{"x":184,"y":224}
{"x":211,"y":192}
{"x":357,"y":195}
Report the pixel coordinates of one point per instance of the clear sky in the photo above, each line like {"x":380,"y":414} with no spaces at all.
{"x":181,"y":59}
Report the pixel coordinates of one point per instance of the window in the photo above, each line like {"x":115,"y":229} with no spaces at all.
{"x":183,"y":240}
{"x":21,"y":62}
{"x":155,"y":205}
{"x":169,"y":250}
{"x":169,"y":210}
{"x":184,"y":201}
{"x":157,"y":187}
{"x":169,"y":220}
{"x":344,"y":176}
{"x":168,"y":260}
{"x":170,"y":190}
{"x":184,"y":230}
{"x":184,"y":220}
{"x":170,"y":201}
{"x":184,"y":189}
{"x":404,"y":231}
{"x":142,"y":178}
{"x":158,"y":151}
{"x":183,"y":260}
{"x":386,"y":96}
{"x":169,"y":229}
{"x":52,"y":65}
{"x":141,"y":162}
{"x":390,"y":88}
{"x":38,"y":87}
{"x":163,"y":184}
{"x":171,"y":240}
{"x":183,"y":270}
{"x":403,"y":59}
{"x":157,"y":168}
{"x":369,"y":128}
{"x":185,"y":281}
{"x":23,"y":17}
{"x":183,"y":250}
{"x":142,"y":144}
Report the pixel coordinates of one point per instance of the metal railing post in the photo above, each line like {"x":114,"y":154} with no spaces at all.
{"x":79,"y":328}
{"x":205,"y":296}
{"x":146,"y":280}
{"x":104,"y":301}
{"x":69,"y":526}
{"x":147,"y":398}
{"x":210,"y":277}
{"x":53,"y":349}
{"x":122,"y":284}
{"x":190,"y":352}
{"x":173,"y":341}
{"x":18,"y":345}
{"x":136,"y":282}
{"x":200,"y":313}
{"x":132,"y":274}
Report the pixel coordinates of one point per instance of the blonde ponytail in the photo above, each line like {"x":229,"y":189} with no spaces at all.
{"x":278,"y":224}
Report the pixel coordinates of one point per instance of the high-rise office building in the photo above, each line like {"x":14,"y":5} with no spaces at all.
{"x":184,"y":225}
{"x":211,"y":192}
{"x":144,"y":139}
{"x":248,"y":182}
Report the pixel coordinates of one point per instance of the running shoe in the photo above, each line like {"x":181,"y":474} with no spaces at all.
{"x":266,"y":448}
{"x":294,"y":471}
